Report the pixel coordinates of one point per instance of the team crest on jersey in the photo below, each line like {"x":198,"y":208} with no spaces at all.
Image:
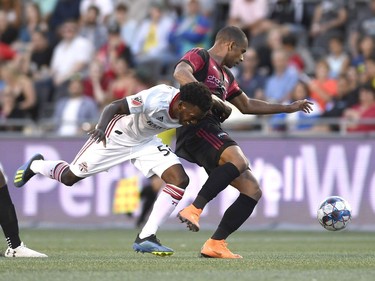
{"x":83,"y":167}
{"x":222,"y":135}
{"x":137,"y":101}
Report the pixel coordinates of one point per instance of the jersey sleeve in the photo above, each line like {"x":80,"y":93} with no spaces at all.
{"x":151,"y":100}
{"x":233,"y":89}
{"x":136,"y":102}
{"x":195,"y":58}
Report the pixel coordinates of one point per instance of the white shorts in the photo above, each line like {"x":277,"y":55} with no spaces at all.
{"x":151,"y":158}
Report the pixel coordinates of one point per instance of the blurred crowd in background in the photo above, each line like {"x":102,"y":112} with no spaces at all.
{"x":62,"y":61}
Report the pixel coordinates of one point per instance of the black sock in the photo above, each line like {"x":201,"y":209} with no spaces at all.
{"x":235,"y":216}
{"x":200,"y":202}
{"x":148,"y":196}
{"x":8,"y":218}
{"x":218,"y":180}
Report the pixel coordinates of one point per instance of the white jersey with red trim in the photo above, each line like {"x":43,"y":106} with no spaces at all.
{"x":149,"y":116}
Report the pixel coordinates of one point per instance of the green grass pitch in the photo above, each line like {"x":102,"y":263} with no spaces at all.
{"x":268,"y":255}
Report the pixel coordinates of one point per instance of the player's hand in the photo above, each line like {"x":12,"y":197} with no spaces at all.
{"x":220,"y":108}
{"x":98,"y":136}
{"x":223,"y":113}
{"x":301,"y":105}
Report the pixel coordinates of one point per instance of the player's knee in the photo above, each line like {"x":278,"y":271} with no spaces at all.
{"x":67,"y":182}
{"x":255,"y":191}
{"x":258,"y":194}
{"x":69,"y":179}
{"x":242,"y":164}
{"x":182,"y":181}
{"x":177,"y":177}
{"x":252,"y":189}
{"x":234,"y":155}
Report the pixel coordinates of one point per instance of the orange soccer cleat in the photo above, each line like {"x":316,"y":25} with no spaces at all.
{"x":190,"y":215}
{"x":217,"y":249}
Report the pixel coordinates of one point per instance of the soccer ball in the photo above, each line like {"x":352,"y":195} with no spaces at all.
{"x":334,"y":213}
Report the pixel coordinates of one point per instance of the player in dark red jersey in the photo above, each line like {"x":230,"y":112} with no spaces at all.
{"x":9,"y":225}
{"x":207,"y":145}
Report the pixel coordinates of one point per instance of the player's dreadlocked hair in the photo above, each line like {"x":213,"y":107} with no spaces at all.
{"x":197,"y":94}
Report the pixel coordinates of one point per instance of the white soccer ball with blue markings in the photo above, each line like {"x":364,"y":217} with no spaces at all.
{"x":334,"y":213}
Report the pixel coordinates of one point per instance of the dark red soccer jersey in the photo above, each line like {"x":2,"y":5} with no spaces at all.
{"x":219,"y":79}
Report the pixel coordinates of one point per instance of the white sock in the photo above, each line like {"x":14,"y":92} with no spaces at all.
{"x":51,"y":169}
{"x":163,"y":208}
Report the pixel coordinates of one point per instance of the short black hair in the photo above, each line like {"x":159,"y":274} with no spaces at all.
{"x":197,"y":94}
{"x":114,"y":28}
{"x":338,"y":38}
{"x":368,"y":86}
{"x":122,"y":7}
{"x":95,"y":8}
{"x":371,"y":57}
{"x":231,"y":33}
{"x":289,"y":40}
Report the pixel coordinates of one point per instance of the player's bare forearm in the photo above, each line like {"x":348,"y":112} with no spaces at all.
{"x":262,"y":107}
{"x":221,"y":108}
{"x":184,"y":73}
{"x":259,"y":107}
{"x":116,"y":107}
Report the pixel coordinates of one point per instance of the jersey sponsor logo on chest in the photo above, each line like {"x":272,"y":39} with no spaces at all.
{"x":154,"y":126}
{"x":215,"y":80}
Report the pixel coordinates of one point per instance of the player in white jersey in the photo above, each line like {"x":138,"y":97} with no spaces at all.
{"x":127,"y":130}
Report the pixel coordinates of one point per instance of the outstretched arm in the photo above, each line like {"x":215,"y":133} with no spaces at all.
{"x":117,"y":107}
{"x":258,"y":107}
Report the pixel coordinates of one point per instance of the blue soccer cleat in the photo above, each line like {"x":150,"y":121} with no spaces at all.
{"x":24,"y":173}
{"x":151,"y":245}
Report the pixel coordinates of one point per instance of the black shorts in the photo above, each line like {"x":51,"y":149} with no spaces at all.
{"x":203,"y":144}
